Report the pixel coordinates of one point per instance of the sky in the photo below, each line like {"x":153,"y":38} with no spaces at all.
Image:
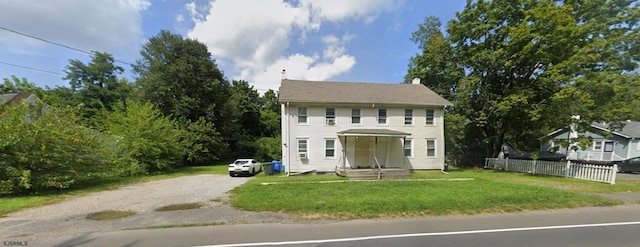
{"x":251,"y":40}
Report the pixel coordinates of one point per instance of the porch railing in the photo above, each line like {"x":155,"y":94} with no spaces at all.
{"x":591,"y":172}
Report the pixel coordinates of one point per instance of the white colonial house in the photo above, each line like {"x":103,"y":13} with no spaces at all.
{"x":332,"y":126}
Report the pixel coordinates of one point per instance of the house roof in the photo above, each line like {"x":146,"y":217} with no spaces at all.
{"x":14,"y":98}
{"x":373,"y":132}
{"x":631,"y":129}
{"x":359,"y":93}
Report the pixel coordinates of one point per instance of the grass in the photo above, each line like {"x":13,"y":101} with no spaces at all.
{"x":110,"y":215}
{"x":433,"y":194}
{"x":10,"y":204}
{"x":183,"y":206}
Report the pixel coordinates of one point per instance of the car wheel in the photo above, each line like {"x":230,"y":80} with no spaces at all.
{"x":231,"y":174}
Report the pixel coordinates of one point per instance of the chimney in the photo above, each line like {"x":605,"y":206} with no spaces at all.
{"x":415,"y":81}
{"x":284,"y":74}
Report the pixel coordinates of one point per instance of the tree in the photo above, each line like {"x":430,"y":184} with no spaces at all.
{"x":180,"y":78}
{"x":96,"y":83}
{"x":527,"y":66}
{"x":242,"y":114}
{"x":20,"y":85}
{"x":144,"y":139}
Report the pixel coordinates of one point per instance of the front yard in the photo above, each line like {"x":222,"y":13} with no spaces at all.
{"x":429,"y":193}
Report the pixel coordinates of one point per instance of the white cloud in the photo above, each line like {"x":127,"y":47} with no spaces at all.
{"x":254,"y":36}
{"x":111,"y":26}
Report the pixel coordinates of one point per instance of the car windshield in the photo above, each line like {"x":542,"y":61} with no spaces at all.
{"x":241,"y":162}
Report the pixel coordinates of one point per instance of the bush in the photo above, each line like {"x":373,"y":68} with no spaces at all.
{"x":145,"y":140}
{"x":45,"y":147}
{"x":202,"y":142}
{"x":269,"y":148}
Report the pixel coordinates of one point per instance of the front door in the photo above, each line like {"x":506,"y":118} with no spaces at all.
{"x":362,"y":152}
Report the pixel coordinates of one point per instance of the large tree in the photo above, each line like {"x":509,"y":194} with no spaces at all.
{"x":181,"y":79}
{"x":96,"y":84}
{"x":179,"y":76}
{"x":527,"y":66}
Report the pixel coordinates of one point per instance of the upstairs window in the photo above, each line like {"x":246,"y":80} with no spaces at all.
{"x":355,"y":116}
{"x":302,"y":115}
{"x":430,"y":116}
{"x":330,"y":116}
{"x":382,"y":116}
{"x":408,"y":116}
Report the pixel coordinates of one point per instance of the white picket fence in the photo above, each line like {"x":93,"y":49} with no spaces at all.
{"x":568,"y":169}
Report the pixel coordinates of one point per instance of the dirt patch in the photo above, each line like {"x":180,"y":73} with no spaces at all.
{"x":184,"y":206}
{"x":109,"y":215}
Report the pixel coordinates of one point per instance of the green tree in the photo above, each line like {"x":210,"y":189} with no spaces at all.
{"x":242,"y":114}
{"x":203,"y":143}
{"x":20,"y":85}
{"x":180,"y":78}
{"x":96,"y":83}
{"x":527,"y":66}
{"x":146,"y":140}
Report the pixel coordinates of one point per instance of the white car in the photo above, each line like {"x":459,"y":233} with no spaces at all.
{"x":244,"y":167}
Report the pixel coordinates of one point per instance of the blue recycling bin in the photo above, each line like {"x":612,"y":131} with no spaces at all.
{"x":276,"y":166}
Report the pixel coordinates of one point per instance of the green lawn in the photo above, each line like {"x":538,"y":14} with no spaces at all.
{"x":14,"y":203}
{"x":431,"y":193}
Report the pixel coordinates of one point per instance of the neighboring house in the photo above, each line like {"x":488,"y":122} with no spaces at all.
{"x":328,"y":126}
{"x":19,"y":98}
{"x":607,"y":144}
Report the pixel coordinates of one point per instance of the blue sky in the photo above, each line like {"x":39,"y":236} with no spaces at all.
{"x":252,"y":40}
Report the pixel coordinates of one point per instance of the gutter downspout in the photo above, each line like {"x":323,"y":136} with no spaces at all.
{"x":288,"y":109}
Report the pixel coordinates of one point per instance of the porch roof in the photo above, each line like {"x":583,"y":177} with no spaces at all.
{"x":373,"y":132}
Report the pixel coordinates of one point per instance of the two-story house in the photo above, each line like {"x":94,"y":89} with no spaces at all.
{"x":328,"y":126}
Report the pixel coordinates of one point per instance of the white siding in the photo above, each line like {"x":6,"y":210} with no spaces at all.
{"x":316,"y":131}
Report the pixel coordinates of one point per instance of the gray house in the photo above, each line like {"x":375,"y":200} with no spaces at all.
{"x":607,"y":144}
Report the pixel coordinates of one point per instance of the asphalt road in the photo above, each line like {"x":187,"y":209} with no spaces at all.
{"x":585,"y":227}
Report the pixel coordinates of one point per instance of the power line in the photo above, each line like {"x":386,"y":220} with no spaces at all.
{"x":31,"y":68}
{"x":56,"y":43}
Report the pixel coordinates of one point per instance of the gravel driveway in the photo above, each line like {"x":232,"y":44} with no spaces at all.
{"x":68,"y":217}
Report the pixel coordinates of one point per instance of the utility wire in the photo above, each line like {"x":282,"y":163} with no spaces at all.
{"x":56,"y":43}
{"x":31,"y":68}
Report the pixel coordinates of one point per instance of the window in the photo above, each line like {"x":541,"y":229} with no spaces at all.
{"x":382,"y":116}
{"x":431,"y":148}
{"x":408,"y":116}
{"x":597,"y":146}
{"x":430,"y":117}
{"x":330,"y":116}
{"x":302,"y":149}
{"x":355,"y":116}
{"x":302,"y":115}
{"x":608,"y":146}
{"x":408,"y":149}
{"x":330,"y":148}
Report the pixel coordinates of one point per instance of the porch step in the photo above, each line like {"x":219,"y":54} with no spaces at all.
{"x":372,"y":174}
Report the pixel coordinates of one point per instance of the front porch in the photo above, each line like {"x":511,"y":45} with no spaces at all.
{"x":371,"y":154}
{"x":374,"y":174}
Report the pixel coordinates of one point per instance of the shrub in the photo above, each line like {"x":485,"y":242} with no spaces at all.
{"x":145,"y":140}
{"x":45,"y":147}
